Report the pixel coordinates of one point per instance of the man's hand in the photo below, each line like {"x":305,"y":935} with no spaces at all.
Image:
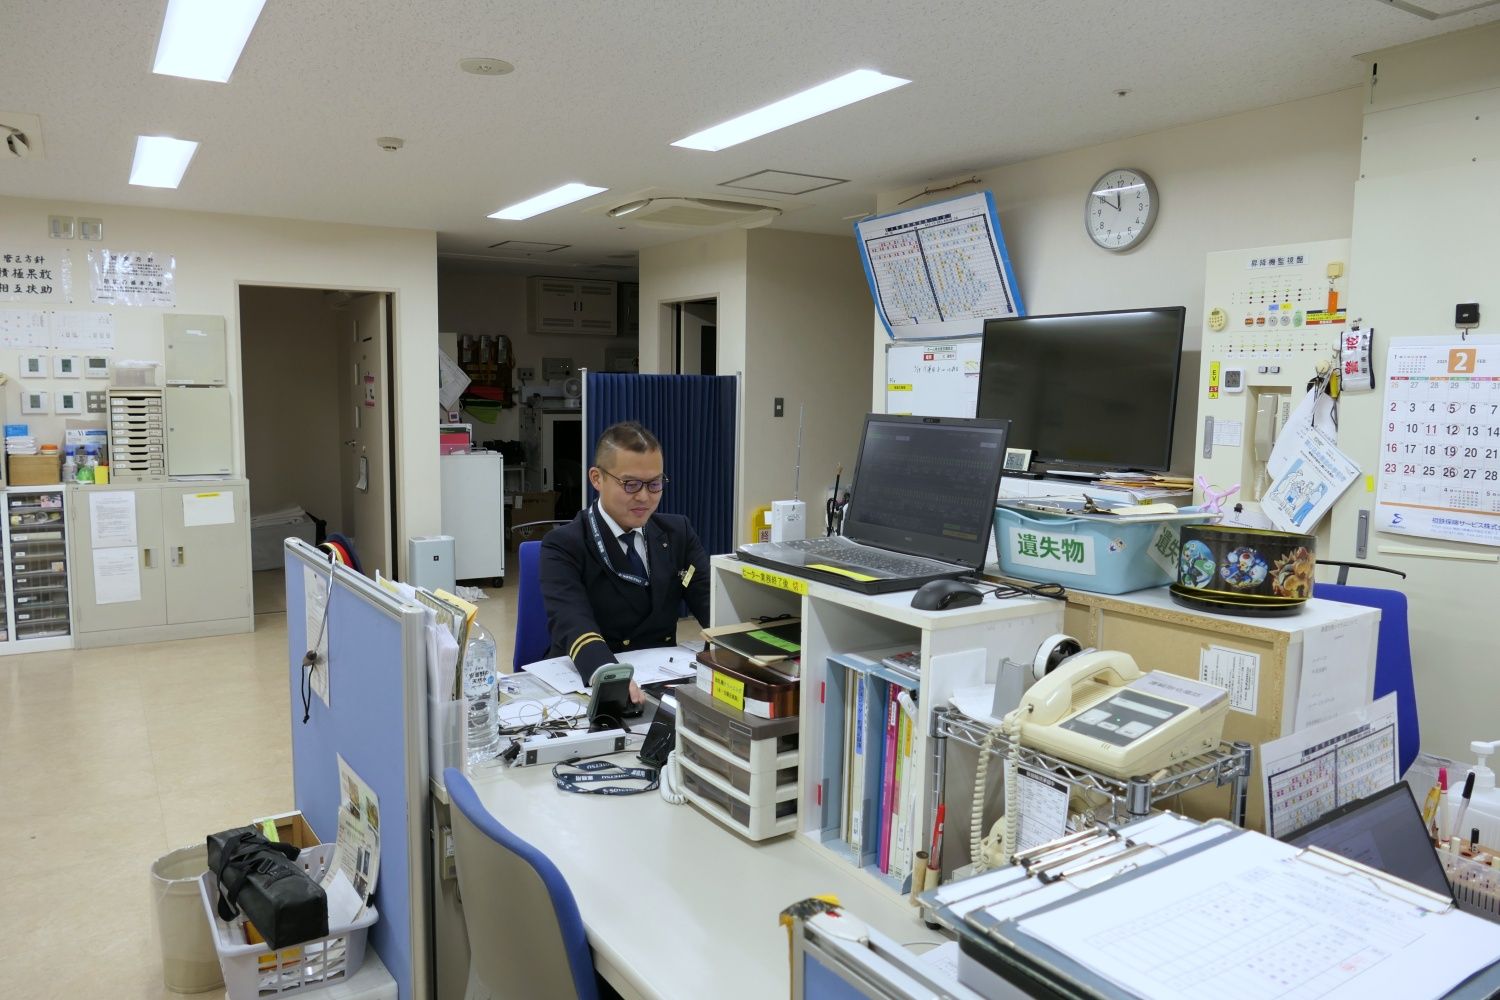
{"x":636,"y":694}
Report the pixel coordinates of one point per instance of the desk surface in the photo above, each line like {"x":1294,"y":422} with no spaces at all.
{"x":675,"y":905}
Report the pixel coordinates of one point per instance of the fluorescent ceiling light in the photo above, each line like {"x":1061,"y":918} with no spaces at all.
{"x":160,"y":161}
{"x":547,"y":201}
{"x":825,"y":97}
{"x":203,"y":39}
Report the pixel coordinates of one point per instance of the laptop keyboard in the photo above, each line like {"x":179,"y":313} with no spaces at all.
{"x":864,"y":557}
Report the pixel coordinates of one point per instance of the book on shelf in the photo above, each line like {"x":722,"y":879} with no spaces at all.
{"x":889,"y":725}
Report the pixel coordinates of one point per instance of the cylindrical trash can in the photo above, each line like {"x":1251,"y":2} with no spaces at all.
{"x":189,"y":963}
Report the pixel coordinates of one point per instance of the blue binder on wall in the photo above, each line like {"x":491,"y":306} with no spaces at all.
{"x":376,"y":719}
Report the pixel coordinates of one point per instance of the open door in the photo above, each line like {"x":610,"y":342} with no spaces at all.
{"x":365,"y":429}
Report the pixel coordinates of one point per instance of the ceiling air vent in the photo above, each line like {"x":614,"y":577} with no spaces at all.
{"x":682,"y":212}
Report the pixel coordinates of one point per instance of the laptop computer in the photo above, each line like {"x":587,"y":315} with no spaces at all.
{"x":921,"y":507}
{"x":1383,"y":831}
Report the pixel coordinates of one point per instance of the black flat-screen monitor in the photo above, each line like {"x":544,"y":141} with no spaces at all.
{"x":1088,"y":391}
{"x":1384,"y":831}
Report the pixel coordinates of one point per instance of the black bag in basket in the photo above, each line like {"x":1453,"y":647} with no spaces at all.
{"x":264,"y":880}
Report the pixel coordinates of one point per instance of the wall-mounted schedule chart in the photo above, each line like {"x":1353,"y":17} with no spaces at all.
{"x":1440,"y":441}
{"x":939,"y":270}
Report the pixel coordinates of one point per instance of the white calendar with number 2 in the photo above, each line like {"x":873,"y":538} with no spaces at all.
{"x":1440,"y":442}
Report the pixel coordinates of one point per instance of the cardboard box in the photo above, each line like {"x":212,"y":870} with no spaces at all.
{"x":35,"y":470}
{"x":527,"y":508}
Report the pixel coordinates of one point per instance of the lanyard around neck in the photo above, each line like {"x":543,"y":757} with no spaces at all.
{"x":597,"y":534}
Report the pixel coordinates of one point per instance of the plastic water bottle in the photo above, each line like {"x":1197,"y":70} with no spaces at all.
{"x":479,"y":687}
{"x":92,"y":461}
{"x":70,"y":465}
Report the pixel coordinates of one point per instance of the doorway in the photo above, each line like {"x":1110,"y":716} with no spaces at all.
{"x":319,"y":422}
{"x":695,"y":337}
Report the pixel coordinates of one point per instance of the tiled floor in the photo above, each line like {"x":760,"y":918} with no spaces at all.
{"x":108,"y":759}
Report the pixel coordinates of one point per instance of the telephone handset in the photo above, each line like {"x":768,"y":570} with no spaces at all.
{"x":1267,"y":416}
{"x":1049,"y":699}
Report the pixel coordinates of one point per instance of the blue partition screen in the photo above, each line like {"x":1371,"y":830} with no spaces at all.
{"x":694,"y":418}
{"x":365,"y":722}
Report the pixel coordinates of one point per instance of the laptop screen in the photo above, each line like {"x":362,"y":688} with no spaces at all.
{"x":1384,"y":831}
{"x":926,"y":486}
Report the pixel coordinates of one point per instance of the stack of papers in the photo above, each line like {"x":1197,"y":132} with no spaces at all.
{"x":20,"y":445}
{"x":652,"y":666}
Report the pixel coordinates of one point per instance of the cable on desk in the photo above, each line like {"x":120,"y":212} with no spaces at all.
{"x":1005,"y":591}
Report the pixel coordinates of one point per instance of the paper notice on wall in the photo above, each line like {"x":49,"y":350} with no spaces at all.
{"x":23,"y":328}
{"x":1356,"y":366}
{"x":82,"y":330}
{"x":35,"y":276}
{"x":1324,"y":766}
{"x":1308,"y":472}
{"x":202,"y":509}
{"x":1228,"y":433}
{"x":117,"y":575}
{"x":315,"y":620}
{"x":112,"y":519}
{"x":356,"y":852}
{"x":1338,"y":661}
{"x":1234,"y":670}
{"x":132,"y":278}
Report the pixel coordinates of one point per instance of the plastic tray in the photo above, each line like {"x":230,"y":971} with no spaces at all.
{"x":1112,"y":559}
{"x":756,"y":788}
{"x":767,"y":693}
{"x":754,"y":823}
{"x":757,"y":742}
{"x":252,"y":971}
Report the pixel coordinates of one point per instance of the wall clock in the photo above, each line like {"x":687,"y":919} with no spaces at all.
{"x":1120,"y":209}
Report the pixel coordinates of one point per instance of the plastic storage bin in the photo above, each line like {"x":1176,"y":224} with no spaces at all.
{"x":254,"y":970}
{"x":720,"y":802}
{"x":756,"y":742}
{"x":1102,"y":554}
{"x":757,"y":787}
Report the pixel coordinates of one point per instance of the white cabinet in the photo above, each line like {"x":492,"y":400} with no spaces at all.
{"x":200,"y":431}
{"x":959,"y":648}
{"x":474,"y":513}
{"x":196,"y":349}
{"x":566,"y":305}
{"x":192,"y":562}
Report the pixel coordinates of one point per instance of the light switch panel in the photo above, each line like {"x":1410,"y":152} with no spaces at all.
{"x":97,"y":401}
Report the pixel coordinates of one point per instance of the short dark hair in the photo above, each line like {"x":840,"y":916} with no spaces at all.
{"x":627,"y":435}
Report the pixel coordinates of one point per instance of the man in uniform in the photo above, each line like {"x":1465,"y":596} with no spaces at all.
{"x":614,"y":577}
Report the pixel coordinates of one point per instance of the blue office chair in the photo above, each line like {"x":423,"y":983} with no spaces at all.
{"x":525,"y":936}
{"x":1393,"y":666}
{"x":533,"y":638}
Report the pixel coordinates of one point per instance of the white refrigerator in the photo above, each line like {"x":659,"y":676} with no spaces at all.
{"x":474,"y":514}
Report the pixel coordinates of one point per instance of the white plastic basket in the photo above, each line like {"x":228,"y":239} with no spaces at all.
{"x":252,"y":971}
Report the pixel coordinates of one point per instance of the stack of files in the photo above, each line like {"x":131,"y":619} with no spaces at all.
{"x":777,"y":645}
{"x":20,"y":445}
{"x":1168,"y":909}
{"x":880,"y":776}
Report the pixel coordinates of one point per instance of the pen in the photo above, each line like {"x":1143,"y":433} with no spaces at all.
{"x":1440,"y":813}
{"x":1458,"y":824}
{"x":934,"y":857}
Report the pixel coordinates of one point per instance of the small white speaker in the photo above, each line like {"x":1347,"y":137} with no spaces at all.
{"x":430,"y":562}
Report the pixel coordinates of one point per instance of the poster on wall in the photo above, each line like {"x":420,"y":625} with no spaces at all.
{"x":939,"y":270}
{"x":1440,"y":441}
{"x":34,"y":276}
{"x":133,"y":278}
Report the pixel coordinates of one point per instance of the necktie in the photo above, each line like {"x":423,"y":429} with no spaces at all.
{"x":633,"y":557}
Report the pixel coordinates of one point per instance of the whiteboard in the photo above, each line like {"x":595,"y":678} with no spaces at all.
{"x":933,"y":378}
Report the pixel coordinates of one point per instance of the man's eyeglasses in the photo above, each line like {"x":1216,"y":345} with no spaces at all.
{"x":633,"y":486}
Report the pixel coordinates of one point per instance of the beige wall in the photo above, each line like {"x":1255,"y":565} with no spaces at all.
{"x":218,"y":253}
{"x":708,"y":267}
{"x":289,"y":357}
{"x":1276,"y":175}
{"x":808,"y":321}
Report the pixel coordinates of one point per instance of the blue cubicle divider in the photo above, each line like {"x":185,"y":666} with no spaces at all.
{"x":376,"y":720}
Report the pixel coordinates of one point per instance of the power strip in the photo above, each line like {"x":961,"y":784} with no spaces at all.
{"x":549,"y":748}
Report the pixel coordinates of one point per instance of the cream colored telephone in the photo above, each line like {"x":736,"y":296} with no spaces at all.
{"x":1098,"y":710}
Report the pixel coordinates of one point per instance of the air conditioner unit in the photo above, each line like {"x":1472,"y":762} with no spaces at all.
{"x":682,"y":212}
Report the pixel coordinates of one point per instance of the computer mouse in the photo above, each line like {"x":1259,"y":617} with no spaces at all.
{"x":945,"y":595}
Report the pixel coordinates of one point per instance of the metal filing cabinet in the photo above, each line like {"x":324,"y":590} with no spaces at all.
{"x":200,"y":432}
{"x":195,"y":350}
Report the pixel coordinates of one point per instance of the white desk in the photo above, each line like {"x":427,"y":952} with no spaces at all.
{"x":674,"y":904}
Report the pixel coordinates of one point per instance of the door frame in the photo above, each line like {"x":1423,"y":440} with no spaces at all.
{"x":393,"y":428}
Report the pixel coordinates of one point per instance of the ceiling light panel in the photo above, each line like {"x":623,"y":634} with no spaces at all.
{"x":203,"y":39}
{"x":782,"y":182}
{"x":547,"y":201}
{"x":825,"y":97}
{"x":160,"y":161}
{"x":529,"y":246}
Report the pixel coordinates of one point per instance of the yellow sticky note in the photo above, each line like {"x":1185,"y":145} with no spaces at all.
{"x":898,"y":387}
{"x":730,"y":691}
{"x":1369,"y":484}
{"x":862,"y":578}
{"x":268,"y":828}
{"x":757,"y":575}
